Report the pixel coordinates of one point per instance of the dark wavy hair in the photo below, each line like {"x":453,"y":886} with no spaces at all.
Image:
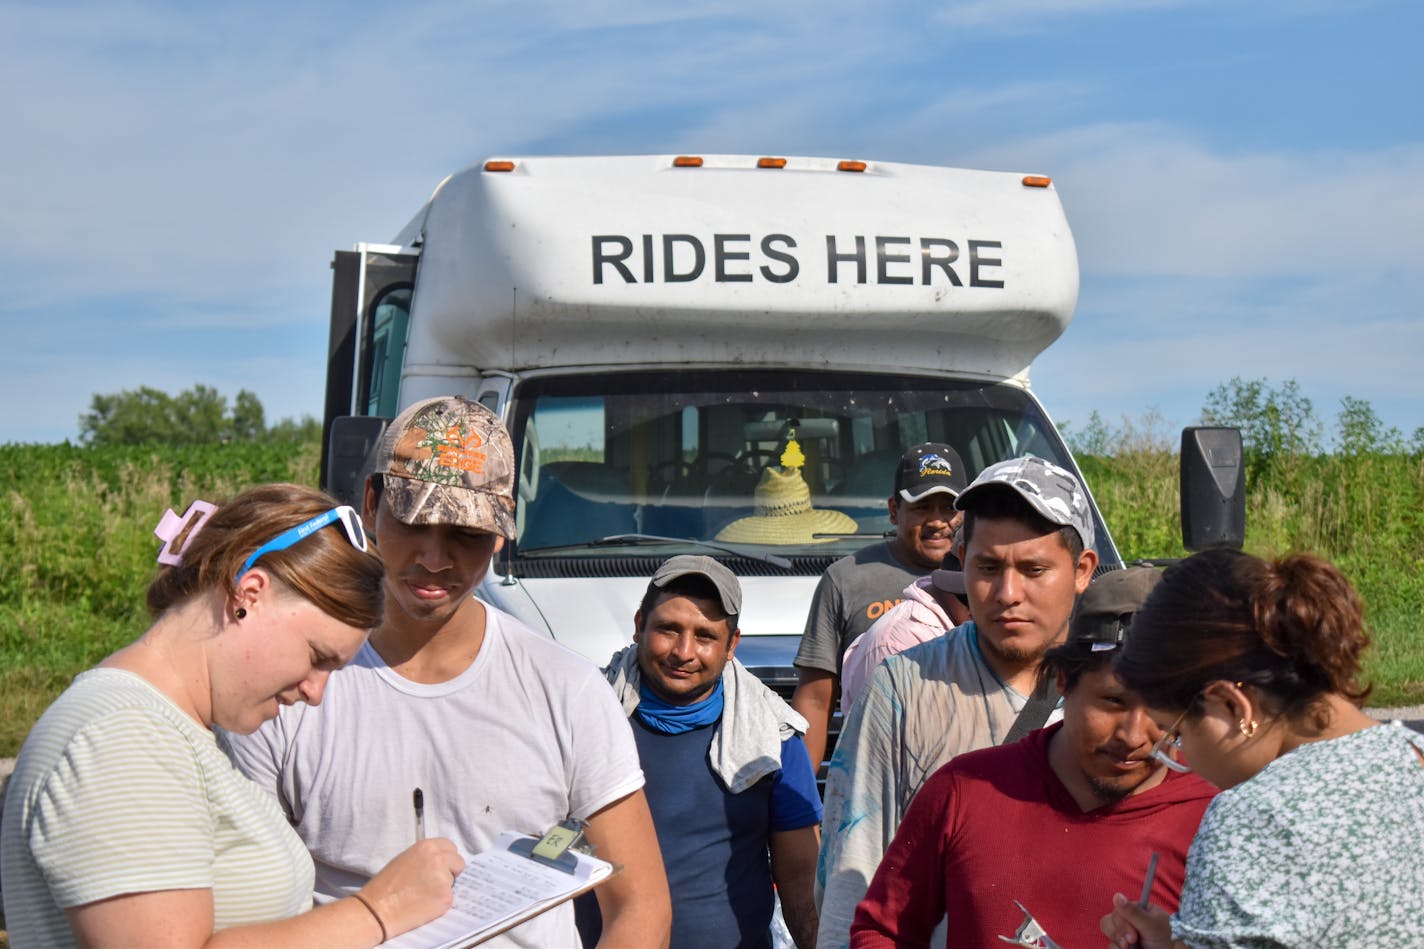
{"x":1072,"y":661}
{"x":1293,"y":628}
{"x":323,"y":568}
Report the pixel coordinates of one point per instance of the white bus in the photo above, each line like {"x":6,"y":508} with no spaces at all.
{"x":654,"y":330}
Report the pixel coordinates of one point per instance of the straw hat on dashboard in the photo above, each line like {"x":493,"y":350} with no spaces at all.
{"x":784,"y":514}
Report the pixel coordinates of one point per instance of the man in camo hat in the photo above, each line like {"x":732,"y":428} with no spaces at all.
{"x":499,"y":728}
{"x":448,"y":461}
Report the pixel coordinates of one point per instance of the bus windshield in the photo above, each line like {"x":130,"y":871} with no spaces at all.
{"x":792,"y":463}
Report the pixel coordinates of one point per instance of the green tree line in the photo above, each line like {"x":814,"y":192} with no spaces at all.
{"x":197,"y":416}
{"x":1277,"y":422}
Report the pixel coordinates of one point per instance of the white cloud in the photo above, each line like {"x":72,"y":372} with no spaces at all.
{"x":1169,"y":344}
{"x":1154,"y":200}
{"x":213,"y":149}
{"x":1027,"y":14}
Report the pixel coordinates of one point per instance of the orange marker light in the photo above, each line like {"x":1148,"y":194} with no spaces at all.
{"x":771,"y":162}
{"x":1037,"y":181}
{"x":499,"y":166}
{"x":851,"y":166}
{"x":687,"y":161}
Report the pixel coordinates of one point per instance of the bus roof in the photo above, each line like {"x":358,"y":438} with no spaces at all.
{"x":536,"y":263}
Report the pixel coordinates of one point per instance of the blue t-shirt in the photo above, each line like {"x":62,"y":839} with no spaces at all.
{"x":714,"y":844}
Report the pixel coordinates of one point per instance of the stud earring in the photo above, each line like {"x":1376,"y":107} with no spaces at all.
{"x":240,"y":613}
{"x":1247,"y":728}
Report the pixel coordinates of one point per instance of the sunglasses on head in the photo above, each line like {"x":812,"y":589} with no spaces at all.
{"x":345,"y":515}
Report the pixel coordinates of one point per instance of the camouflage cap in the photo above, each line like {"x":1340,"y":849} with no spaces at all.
{"x":1105,"y":610}
{"x":1050,"y":490}
{"x":448,"y":460}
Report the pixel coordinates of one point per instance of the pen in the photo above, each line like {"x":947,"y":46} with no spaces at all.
{"x":418,"y":799}
{"x":1147,"y":883}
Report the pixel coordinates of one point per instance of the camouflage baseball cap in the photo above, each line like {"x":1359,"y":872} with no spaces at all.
{"x":448,"y":460}
{"x":1050,"y":490}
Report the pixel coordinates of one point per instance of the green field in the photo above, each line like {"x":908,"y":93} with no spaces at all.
{"x":76,"y":530}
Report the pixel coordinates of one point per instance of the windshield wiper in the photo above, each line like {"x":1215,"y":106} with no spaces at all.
{"x":638,"y":540}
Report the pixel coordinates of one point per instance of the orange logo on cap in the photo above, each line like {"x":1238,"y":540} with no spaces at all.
{"x":460,"y":453}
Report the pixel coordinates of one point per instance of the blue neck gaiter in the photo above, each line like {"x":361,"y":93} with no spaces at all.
{"x":671,"y":719}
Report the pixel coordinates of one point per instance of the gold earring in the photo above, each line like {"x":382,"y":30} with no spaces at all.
{"x":1247,"y":729}
{"x":240,"y":613}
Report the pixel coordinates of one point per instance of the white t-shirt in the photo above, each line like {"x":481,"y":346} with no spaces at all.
{"x":118,"y":791}
{"x":528,"y":735}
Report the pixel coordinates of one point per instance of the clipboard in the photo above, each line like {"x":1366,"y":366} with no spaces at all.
{"x":558,"y":848}
{"x":510,"y":883}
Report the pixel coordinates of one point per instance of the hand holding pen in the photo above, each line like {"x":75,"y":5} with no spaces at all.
{"x":1139,"y":925}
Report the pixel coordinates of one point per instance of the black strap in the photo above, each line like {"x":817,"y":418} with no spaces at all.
{"x":1035,"y":712}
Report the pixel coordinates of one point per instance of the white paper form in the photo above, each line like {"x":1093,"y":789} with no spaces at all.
{"x":498,"y":889}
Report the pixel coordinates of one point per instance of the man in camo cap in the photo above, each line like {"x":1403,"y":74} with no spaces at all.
{"x":449,"y":461}
{"x":1027,"y":555}
{"x":1050,"y":490}
{"x":499,"y":727}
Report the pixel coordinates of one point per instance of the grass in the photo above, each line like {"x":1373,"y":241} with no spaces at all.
{"x":1363,"y":512}
{"x":78,"y":550}
{"x":76,"y":529}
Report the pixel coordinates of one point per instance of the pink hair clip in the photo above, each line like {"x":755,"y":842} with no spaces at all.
{"x":171,"y":525}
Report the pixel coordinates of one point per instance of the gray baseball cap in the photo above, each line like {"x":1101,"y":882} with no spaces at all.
{"x":1053,"y":492}
{"x":729,"y":590}
{"x":449,"y":461}
{"x":1105,"y":610}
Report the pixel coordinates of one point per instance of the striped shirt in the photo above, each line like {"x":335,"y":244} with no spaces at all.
{"x":117,"y":791}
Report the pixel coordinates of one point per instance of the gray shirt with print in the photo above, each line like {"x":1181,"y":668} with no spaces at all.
{"x":853,"y":593}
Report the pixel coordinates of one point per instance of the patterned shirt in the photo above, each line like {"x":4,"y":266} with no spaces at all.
{"x":1321,"y":848}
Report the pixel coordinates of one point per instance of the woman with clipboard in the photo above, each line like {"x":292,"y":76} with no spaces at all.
{"x":126,"y":824}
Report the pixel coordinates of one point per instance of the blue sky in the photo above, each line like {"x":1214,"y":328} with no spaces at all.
{"x":1242,"y":179}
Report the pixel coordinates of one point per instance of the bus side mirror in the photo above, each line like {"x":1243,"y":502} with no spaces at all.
{"x":351,"y":449}
{"x":1213,"y":488}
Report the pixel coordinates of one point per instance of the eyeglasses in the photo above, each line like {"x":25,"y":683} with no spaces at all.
{"x":1171,"y":743}
{"x":345,"y":515}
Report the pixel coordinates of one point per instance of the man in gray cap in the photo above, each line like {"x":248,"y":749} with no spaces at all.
{"x":1053,"y":821}
{"x":495,"y":727}
{"x":1027,"y":554}
{"x":729,"y":782}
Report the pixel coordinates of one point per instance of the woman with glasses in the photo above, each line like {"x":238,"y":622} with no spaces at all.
{"x":1253,"y":667}
{"x":125,"y":824}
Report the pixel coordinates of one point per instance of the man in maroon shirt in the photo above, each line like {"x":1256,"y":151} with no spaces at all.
{"x":1056,"y":822}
